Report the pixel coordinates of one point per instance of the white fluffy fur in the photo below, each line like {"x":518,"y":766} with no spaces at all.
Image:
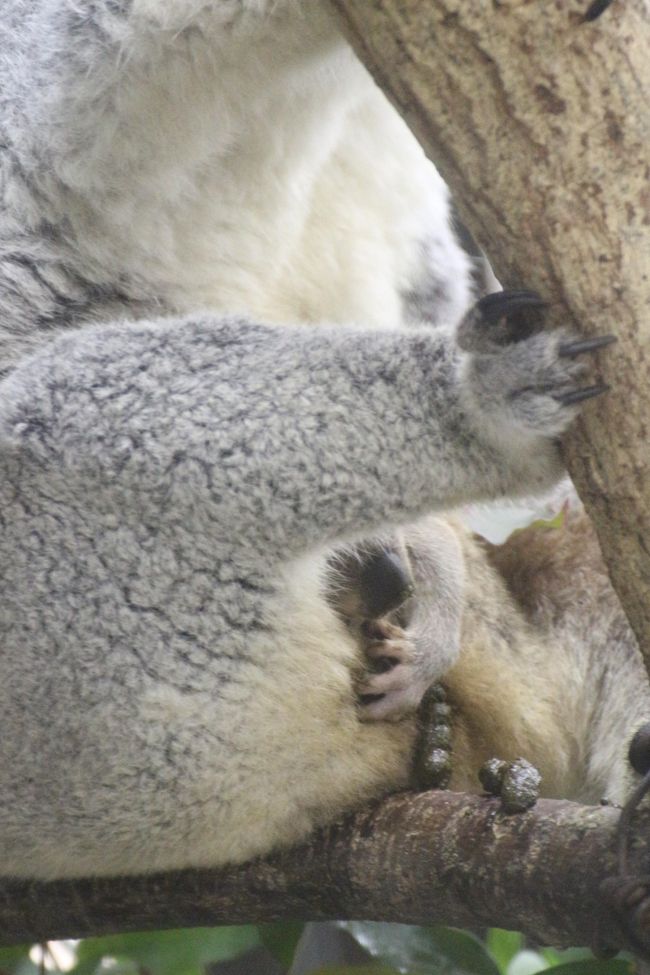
{"x":247,"y":164}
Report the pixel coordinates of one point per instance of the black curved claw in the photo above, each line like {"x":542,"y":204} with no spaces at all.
{"x":595,"y":9}
{"x":501,"y":304}
{"x":572,"y":349}
{"x":578,"y":395}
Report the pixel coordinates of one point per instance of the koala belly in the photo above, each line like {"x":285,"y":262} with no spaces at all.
{"x":300,"y":755}
{"x":167,"y":771}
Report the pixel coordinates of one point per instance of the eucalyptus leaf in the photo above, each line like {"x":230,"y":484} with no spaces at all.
{"x":596,"y":966}
{"x":178,"y":952}
{"x":504,"y":945}
{"x":281,"y":939}
{"x":527,"y":962}
{"x":16,"y":961}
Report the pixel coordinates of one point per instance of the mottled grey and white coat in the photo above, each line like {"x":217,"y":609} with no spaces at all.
{"x":184,"y":186}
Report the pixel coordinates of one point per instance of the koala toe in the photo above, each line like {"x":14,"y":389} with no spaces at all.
{"x":500,"y":318}
{"x":391,"y":695}
{"x":504,"y":304}
{"x":392,"y":685}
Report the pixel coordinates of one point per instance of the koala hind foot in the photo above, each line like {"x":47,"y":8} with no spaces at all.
{"x":390,"y":688}
{"x":369,"y":585}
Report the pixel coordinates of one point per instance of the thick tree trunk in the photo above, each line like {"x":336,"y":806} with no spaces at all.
{"x":540,"y":122}
{"x":435,"y":857}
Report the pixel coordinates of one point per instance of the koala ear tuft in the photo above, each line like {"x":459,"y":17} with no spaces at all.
{"x":639,"y":751}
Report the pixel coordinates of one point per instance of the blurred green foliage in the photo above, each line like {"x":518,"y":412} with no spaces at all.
{"x":392,"y":949}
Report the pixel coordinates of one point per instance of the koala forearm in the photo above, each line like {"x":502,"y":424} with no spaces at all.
{"x":292,"y":436}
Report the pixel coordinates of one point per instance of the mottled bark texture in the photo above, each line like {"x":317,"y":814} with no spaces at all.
{"x":441,"y":857}
{"x":540,"y":122}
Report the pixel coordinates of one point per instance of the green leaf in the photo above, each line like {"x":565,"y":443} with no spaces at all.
{"x":527,"y":962}
{"x":17,"y":961}
{"x":179,"y":952}
{"x":467,"y":953}
{"x":556,"y":956}
{"x":424,"y":950}
{"x":281,"y":939}
{"x":595,"y":966}
{"x":503,"y":945}
{"x":356,"y":970}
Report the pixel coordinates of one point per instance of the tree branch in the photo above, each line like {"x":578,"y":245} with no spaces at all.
{"x":540,"y":123}
{"x":441,"y":856}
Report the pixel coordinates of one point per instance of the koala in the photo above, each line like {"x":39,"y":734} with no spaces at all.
{"x":547,"y":666}
{"x":504,"y":625}
{"x":234,"y":340}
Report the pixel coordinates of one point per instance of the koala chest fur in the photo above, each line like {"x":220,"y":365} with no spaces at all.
{"x":223,"y":158}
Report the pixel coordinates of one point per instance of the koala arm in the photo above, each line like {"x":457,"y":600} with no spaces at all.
{"x":284,"y":437}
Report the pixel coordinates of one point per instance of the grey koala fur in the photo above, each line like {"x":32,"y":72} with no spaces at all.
{"x":178,"y":458}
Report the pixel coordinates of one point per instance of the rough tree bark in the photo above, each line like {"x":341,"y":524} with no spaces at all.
{"x":540,"y":122}
{"x":442,"y":857}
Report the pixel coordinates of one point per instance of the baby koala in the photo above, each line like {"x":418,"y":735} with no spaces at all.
{"x":527,"y":639}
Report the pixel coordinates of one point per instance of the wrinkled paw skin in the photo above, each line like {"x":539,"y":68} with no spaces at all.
{"x":515,"y":783}
{"x":391,"y":687}
{"x":520,"y":376}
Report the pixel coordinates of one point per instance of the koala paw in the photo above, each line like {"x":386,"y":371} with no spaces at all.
{"x":392,"y":686}
{"x":520,"y":376}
